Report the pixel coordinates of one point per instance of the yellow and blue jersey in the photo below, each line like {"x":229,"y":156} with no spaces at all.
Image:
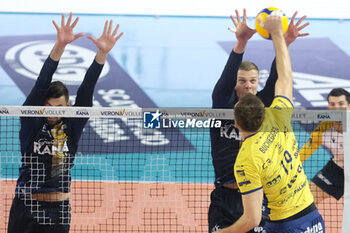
{"x":269,"y":160}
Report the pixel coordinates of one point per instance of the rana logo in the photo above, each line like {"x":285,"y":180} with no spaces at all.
{"x":27,"y":59}
{"x":82,"y":112}
{"x":323,"y":116}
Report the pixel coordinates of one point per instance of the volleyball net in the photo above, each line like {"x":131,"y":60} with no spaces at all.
{"x":148,"y":170}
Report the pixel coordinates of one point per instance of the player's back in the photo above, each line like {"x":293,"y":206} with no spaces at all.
{"x":270,"y":160}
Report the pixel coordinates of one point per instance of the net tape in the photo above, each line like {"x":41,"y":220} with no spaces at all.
{"x":181,"y":113}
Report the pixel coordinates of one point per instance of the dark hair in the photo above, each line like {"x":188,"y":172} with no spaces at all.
{"x":249,"y":113}
{"x":248,"y":66}
{"x":339,"y":92}
{"x":56,"y":90}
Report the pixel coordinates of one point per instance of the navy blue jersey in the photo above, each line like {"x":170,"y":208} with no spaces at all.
{"x":48,"y":151}
{"x":225,"y":141}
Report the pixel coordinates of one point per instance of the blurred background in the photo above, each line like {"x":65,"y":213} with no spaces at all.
{"x":173,"y":52}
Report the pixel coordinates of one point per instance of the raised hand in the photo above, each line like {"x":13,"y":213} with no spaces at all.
{"x":107,"y":40}
{"x":273,"y":24}
{"x":243,"y":32}
{"x":293,"y":31}
{"x":65,"y":33}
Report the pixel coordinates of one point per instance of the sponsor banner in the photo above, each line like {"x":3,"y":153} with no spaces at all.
{"x":315,"y":73}
{"x":102,"y":112}
{"x":165,"y":113}
{"x":23,"y":57}
{"x":317,"y":115}
{"x":193,"y":113}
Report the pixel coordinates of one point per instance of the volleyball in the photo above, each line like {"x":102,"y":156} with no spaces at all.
{"x":261,"y":19}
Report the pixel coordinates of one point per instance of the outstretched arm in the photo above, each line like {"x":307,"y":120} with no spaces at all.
{"x":65,"y":35}
{"x":85,"y":92}
{"x":284,"y":83}
{"x":225,"y":86}
{"x":104,"y":44}
{"x":293,"y":32}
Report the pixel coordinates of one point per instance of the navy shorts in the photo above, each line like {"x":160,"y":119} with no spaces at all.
{"x":31,"y":216}
{"x":331,"y":179}
{"x":226,"y":208}
{"x":312,"y":222}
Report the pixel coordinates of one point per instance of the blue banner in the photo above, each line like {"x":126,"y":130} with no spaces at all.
{"x":23,"y":57}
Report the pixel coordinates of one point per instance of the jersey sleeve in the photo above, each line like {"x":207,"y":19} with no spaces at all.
{"x":86,"y":89}
{"x":281,"y":110}
{"x":314,"y":141}
{"x":85,"y":96}
{"x":38,"y":93}
{"x":247,"y":173}
{"x":224,"y":88}
{"x":268,"y":92}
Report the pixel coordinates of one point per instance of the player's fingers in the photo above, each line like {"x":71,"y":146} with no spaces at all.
{"x":300,"y":20}
{"x":56,"y":26}
{"x":92,"y":38}
{"x":233,"y":20}
{"x":293,"y":17}
{"x":110,"y":26}
{"x":303,"y":34}
{"x":244,"y":15}
{"x":115,"y":30}
{"x":105,"y":28}
{"x":62,"y":20}
{"x":118,"y":37}
{"x":303,"y":26}
{"x":237,"y":16}
{"x":79,"y":35}
{"x":69,"y":19}
{"x":75,"y":22}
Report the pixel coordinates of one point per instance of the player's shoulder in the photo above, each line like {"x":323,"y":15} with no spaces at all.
{"x":281,"y":102}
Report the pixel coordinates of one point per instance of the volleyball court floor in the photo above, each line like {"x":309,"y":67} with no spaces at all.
{"x":162,"y":62}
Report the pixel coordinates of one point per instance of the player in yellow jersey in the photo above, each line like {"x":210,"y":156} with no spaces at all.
{"x":268,"y":165}
{"x":329,"y":181}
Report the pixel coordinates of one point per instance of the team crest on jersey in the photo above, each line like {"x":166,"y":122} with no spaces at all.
{"x":56,"y":146}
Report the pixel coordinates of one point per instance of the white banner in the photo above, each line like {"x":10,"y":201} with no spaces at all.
{"x":337,"y":9}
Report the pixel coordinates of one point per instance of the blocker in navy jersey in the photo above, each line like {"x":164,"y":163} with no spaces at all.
{"x":49,"y":144}
{"x":48,"y":151}
{"x":226,"y":205}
